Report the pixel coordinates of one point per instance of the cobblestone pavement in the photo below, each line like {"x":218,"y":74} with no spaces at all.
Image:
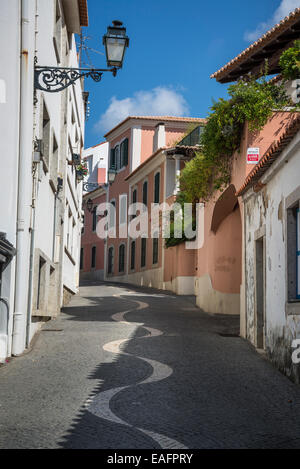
{"x":135,"y":368}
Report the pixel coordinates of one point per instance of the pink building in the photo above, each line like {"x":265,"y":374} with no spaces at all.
{"x":92,"y":247}
{"x":144,"y":174}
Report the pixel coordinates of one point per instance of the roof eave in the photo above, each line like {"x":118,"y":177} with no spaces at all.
{"x":253,"y":58}
{"x":76,"y":15}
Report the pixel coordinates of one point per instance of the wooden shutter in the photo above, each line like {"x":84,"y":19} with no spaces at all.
{"x":125,"y":152}
{"x":132,"y":265}
{"x":145,"y":193}
{"x":112,"y":164}
{"x":156,"y":188}
{"x":155,"y":250}
{"x":143,"y":253}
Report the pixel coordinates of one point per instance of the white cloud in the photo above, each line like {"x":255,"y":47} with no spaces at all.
{"x":160,"y":101}
{"x":284,"y":9}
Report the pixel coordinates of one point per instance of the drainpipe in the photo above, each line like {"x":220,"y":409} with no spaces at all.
{"x":31,"y":262}
{"x":24,"y":177}
{"x":32,"y":231}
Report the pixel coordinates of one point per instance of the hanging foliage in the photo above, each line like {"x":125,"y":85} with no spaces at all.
{"x":290,"y":62}
{"x":251,"y":101}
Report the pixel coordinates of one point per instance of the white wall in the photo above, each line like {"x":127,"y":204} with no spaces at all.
{"x":9,"y":142}
{"x":40,"y":25}
{"x":266,"y":213}
{"x":99,"y":160}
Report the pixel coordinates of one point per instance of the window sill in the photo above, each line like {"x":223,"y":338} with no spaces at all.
{"x":293,"y":308}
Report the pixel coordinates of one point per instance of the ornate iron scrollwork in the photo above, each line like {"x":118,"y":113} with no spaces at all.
{"x":91,"y":186}
{"x":55,"y":79}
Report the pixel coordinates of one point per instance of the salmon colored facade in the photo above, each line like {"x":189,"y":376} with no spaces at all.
{"x":213,"y":272}
{"x":92,"y":247}
{"x":145,"y":136}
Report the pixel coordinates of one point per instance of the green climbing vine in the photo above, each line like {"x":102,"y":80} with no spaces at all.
{"x":251,"y":101}
{"x":290,"y":62}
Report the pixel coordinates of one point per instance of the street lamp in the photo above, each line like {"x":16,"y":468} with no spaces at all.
{"x":90,"y":205}
{"x":111,"y":175}
{"x":115,"y":41}
{"x":56,"y":79}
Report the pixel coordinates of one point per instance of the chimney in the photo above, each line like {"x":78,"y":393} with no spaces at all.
{"x":159,"y":139}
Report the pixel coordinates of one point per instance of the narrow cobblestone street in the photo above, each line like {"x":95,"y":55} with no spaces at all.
{"x":136,"y":368}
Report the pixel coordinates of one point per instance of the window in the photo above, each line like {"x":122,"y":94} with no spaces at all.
{"x":156,"y":188}
{"x":110,"y":266}
{"x":94,"y":219}
{"x":134,"y":200}
{"x":93,"y":261}
{"x":122,"y":258}
{"x":132,"y":263}
{"x":293,"y":254}
{"x":124,"y":153}
{"x":81,"y":258}
{"x":143,"y":252}
{"x":112,"y":162}
{"x":155,"y":250}
{"x":90,"y":164}
{"x":145,"y":193}
{"x":134,"y":196}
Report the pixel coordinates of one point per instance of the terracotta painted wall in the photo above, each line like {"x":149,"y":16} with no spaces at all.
{"x":90,"y":239}
{"x":139,"y":186}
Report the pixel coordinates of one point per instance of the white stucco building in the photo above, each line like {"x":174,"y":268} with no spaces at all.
{"x":41,"y":197}
{"x":271,"y":196}
{"x":96,"y":158}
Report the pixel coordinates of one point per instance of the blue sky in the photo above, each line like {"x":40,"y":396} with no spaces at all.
{"x":174,"y":47}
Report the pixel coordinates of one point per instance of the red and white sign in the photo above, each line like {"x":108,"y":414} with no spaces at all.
{"x":252,"y":155}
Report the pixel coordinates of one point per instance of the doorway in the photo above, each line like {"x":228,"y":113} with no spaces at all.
{"x":260,"y":300}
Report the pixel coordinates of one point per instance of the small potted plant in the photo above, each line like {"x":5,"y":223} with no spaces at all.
{"x":81,"y":171}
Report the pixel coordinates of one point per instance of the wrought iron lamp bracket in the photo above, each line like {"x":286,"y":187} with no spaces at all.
{"x":55,"y":79}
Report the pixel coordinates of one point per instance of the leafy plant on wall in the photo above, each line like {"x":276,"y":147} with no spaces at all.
{"x":251,"y":101}
{"x":290,"y":62}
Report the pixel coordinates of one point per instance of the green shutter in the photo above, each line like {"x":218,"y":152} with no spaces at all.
{"x":125,"y":154}
{"x":145,"y":193}
{"x":112,"y":159}
{"x":156,"y":188}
